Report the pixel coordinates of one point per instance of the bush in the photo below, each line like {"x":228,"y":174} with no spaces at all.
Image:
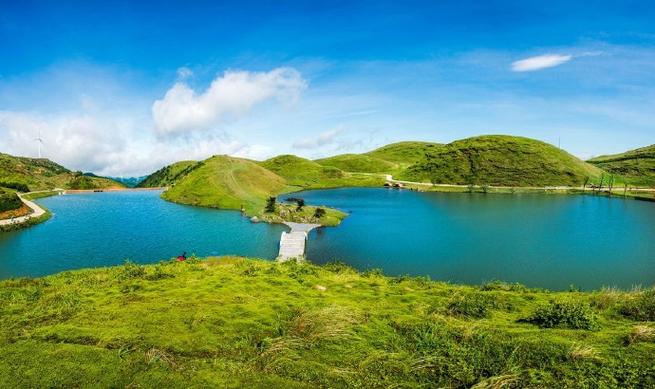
{"x":564,"y":315}
{"x":9,"y":201}
{"x":473,"y":305}
{"x":641,"y":308}
{"x":130,"y":270}
{"x":19,"y":186}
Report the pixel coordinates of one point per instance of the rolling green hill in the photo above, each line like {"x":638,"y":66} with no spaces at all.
{"x":168,"y":174}
{"x":501,"y":160}
{"x":359,"y":163}
{"x":311,"y":175}
{"x":302,"y":172}
{"x":226,"y":182}
{"x":405,"y":153}
{"x":235,"y":322}
{"x":42,"y":174}
{"x":636,"y":167}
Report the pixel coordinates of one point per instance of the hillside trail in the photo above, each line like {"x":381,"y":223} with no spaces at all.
{"x":37,"y":211}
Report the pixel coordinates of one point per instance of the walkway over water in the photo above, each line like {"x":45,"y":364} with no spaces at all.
{"x":293,"y":244}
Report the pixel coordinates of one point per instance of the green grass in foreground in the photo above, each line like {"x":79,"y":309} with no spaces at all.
{"x":249,"y":323}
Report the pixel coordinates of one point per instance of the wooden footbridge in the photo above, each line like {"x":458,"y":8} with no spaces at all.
{"x":293,"y":244}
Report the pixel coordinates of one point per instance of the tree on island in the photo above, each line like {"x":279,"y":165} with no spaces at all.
{"x":319,"y":213}
{"x":270,"y":204}
{"x":301,"y":203}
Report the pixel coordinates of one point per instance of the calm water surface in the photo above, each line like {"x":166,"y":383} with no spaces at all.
{"x":539,"y":240}
{"x":101,"y":229}
{"x":550,"y":241}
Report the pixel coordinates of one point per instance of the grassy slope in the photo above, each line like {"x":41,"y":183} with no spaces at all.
{"x":168,"y":174}
{"x":501,"y":160}
{"x":635,"y":166}
{"x":359,"y":163}
{"x":404,"y":153}
{"x":247,"y":323}
{"x":311,"y":175}
{"x":228,"y":183}
{"x":42,"y":174}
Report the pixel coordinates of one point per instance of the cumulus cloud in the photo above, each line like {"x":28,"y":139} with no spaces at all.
{"x":184,"y":73}
{"x":183,"y":110}
{"x":97,"y":144}
{"x":540,"y":62}
{"x":325,"y":138}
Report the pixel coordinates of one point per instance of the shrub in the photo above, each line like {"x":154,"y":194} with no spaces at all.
{"x":9,"y":201}
{"x":19,"y":186}
{"x":270,"y":204}
{"x":131,"y":270}
{"x":642,"y":307}
{"x":564,"y":315}
{"x":503,"y":286}
{"x":319,"y":213}
{"x":641,"y":334}
{"x":338,"y":267}
{"x":473,"y":305}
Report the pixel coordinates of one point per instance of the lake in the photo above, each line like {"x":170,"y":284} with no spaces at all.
{"x":550,"y":241}
{"x":102,"y":229}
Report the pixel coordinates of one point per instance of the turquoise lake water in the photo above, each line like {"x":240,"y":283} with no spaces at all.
{"x":539,"y":240}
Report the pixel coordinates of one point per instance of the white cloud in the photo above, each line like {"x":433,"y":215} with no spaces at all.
{"x":184,"y":73}
{"x":540,"y":62}
{"x":97,"y":144}
{"x":323,"y":139}
{"x":182,"y":110}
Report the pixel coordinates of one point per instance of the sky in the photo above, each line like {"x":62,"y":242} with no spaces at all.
{"x":123,"y":88}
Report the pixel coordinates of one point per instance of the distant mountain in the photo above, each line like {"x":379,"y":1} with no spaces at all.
{"x":636,"y":167}
{"x":130,"y":182}
{"x":30,"y":174}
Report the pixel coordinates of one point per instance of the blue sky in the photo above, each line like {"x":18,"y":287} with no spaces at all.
{"x":122,"y":88}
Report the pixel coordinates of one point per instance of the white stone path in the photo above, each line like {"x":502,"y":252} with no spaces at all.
{"x":293,"y":244}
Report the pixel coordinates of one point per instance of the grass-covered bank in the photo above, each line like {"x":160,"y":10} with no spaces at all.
{"x":238,"y":322}
{"x":27,"y":211}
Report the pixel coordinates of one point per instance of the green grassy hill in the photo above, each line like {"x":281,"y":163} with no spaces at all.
{"x":249,"y":323}
{"x":311,"y":175}
{"x":228,"y":183}
{"x":501,"y":160}
{"x":405,"y":153}
{"x":636,"y":167}
{"x":31,"y":174}
{"x":302,"y":172}
{"x":360,"y":163}
{"x":168,"y":174}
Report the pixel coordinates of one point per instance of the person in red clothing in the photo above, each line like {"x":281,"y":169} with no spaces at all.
{"x":182,"y":257}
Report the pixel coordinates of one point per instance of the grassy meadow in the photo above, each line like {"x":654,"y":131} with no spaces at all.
{"x":235,"y":322}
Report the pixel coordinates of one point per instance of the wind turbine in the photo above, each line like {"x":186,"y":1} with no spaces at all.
{"x":40,"y":140}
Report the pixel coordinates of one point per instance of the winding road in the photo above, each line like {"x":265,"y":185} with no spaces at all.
{"x":37,"y":211}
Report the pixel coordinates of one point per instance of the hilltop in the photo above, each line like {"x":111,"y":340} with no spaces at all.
{"x":405,"y":153}
{"x":308,"y":174}
{"x":168,"y":174}
{"x":235,"y":322}
{"x":359,"y":163}
{"x":636,"y":167}
{"x":226,"y":182}
{"x":500,"y":160}
{"x":32,"y":174}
